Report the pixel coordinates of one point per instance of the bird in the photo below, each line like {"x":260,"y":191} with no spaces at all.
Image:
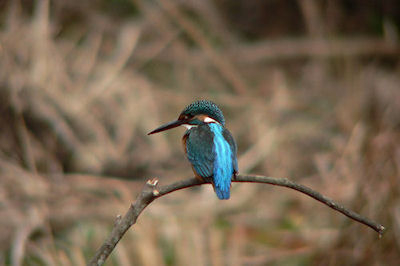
{"x":208,"y":145}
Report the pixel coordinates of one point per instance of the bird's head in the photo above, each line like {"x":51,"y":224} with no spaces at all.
{"x":195,"y":114}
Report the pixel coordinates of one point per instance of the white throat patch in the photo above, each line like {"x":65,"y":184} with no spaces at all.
{"x":208,"y":119}
{"x":189,"y":126}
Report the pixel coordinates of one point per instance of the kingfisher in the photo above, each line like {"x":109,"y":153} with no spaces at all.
{"x":208,"y":145}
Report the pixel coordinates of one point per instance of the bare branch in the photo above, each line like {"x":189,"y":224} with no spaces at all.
{"x":151,"y":192}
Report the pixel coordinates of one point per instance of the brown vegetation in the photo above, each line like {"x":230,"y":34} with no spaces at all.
{"x":82,"y":82}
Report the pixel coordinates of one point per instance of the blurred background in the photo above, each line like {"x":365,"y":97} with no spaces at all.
{"x":310,"y":90}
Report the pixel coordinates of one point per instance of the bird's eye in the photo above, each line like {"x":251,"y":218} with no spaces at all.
{"x":184,"y":117}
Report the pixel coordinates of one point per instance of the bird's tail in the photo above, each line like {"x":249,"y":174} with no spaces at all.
{"x":223,"y":193}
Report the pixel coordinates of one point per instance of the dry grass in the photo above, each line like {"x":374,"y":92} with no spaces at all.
{"x":78,"y":95}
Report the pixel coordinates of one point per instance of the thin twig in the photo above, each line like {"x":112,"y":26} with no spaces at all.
{"x":151,"y":192}
{"x":299,"y":48}
{"x":292,"y":49}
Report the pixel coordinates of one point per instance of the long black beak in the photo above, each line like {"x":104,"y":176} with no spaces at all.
{"x":167,"y":126}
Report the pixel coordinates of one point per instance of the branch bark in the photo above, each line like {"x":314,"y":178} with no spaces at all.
{"x":151,"y":192}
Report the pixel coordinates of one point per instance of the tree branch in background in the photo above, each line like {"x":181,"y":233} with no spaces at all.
{"x":151,"y":192}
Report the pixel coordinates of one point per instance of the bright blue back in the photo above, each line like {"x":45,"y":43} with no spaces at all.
{"x":223,"y":164}
{"x":212,"y":151}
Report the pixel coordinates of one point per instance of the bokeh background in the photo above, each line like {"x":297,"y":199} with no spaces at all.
{"x":310,"y":90}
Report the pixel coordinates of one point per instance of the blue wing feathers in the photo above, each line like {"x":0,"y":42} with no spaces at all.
{"x":228,"y":137}
{"x":199,"y":149}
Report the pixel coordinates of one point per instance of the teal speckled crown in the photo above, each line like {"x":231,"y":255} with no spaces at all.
{"x":205,"y":107}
